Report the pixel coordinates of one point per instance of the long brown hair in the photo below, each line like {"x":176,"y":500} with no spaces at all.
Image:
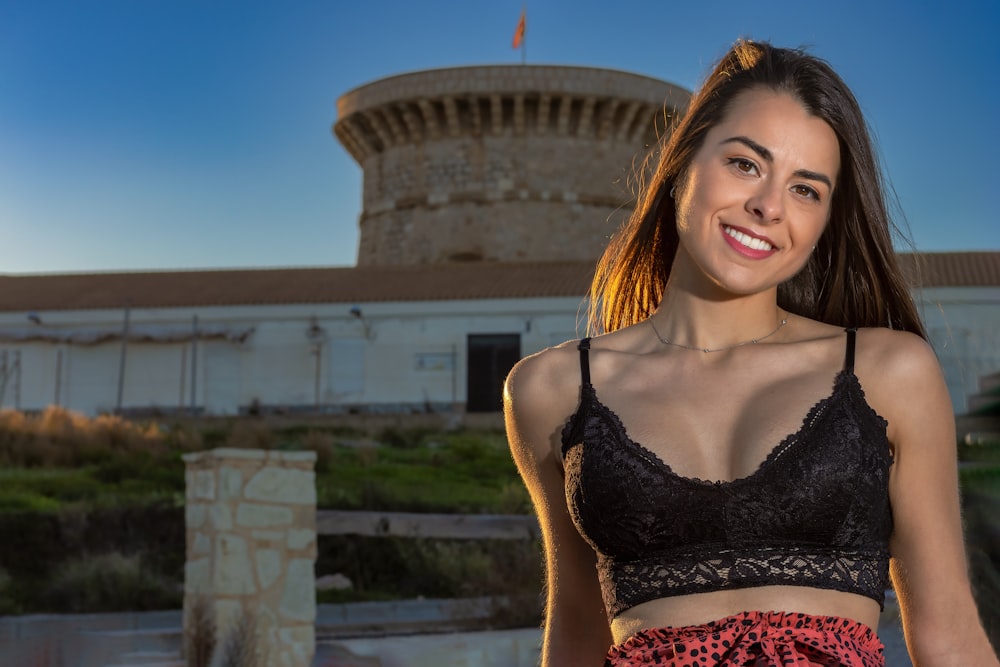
{"x":851,"y":279}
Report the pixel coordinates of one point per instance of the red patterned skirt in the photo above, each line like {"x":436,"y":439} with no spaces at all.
{"x":754,"y":639}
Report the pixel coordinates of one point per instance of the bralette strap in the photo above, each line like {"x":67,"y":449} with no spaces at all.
{"x":572,"y":434}
{"x":584,"y":348}
{"x":849,"y":352}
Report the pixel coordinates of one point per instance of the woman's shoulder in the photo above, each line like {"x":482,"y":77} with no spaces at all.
{"x":548,"y":380}
{"x":885,"y":352}
{"x":541,"y":393}
{"x":539,"y":371}
{"x":897,"y":356}
{"x":899,"y":372}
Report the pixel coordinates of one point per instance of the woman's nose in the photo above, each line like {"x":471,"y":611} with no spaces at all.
{"x":767,"y":203}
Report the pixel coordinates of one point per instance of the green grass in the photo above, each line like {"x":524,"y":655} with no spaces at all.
{"x":21,"y":501}
{"x":462,"y":472}
{"x":101,"y":485}
{"x":982,"y":479}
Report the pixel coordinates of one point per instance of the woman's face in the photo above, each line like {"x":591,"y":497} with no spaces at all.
{"x":756,"y":197}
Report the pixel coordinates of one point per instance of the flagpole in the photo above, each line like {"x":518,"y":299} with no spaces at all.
{"x":520,"y":34}
{"x":524,"y":40}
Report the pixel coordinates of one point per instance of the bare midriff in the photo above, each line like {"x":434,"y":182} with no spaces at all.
{"x":701,"y":608}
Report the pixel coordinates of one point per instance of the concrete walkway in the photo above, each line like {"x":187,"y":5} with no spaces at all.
{"x":502,"y":648}
{"x":352,"y":635}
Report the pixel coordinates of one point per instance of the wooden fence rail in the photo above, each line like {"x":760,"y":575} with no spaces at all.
{"x":441,"y":526}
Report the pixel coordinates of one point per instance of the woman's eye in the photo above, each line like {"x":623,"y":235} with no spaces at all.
{"x":744,"y":165}
{"x":805,"y":191}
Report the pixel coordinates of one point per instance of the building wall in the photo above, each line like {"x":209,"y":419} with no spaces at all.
{"x":963,"y":324}
{"x":396,"y":356}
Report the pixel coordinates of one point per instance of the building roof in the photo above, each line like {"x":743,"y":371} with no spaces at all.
{"x":170,"y":289}
{"x":174,"y":289}
{"x":953,"y":269}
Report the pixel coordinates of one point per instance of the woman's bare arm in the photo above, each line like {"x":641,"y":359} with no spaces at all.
{"x":540,"y":393}
{"x":929,"y":567}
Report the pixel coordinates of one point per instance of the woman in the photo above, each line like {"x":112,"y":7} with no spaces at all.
{"x":752,"y":295}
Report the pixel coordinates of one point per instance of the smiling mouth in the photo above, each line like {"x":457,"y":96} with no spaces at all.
{"x":747,"y":240}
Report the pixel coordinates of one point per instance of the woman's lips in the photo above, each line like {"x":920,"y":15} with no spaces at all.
{"x":747,"y":244}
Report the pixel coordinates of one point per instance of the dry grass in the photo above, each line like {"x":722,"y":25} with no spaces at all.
{"x":204,"y":648}
{"x":239,"y":647}
{"x":250,"y":435}
{"x":61,"y":438}
{"x":199,"y":635}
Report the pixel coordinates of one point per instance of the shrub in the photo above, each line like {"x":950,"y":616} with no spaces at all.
{"x":8,"y":601}
{"x":250,"y":435}
{"x":109,"y":582}
{"x":324,"y":445}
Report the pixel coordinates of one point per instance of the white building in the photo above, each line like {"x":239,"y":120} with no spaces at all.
{"x":380,"y":339}
{"x":372,"y":339}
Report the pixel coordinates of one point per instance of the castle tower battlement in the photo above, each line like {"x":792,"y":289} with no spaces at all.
{"x":499,"y":163}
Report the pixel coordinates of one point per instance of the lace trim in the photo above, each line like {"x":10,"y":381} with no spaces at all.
{"x":626,"y":583}
{"x":844,"y":380}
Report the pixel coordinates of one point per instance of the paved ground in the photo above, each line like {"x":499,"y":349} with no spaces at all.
{"x":505,"y":648}
{"x":99,"y":640}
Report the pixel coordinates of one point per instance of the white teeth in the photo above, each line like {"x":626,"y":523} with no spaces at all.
{"x":748,"y":241}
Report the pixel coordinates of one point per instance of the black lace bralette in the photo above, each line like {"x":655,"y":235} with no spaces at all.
{"x":815,"y":513}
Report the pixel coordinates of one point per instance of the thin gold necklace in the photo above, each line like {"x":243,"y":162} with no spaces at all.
{"x":706,"y":350}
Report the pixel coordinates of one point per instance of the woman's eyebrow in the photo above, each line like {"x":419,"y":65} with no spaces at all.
{"x":768,"y":156}
{"x":764,"y":153}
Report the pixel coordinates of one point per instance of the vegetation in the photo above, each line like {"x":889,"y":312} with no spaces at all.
{"x":60,"y":459}
{"x":95,"y":507}
{"x":980,"y":479}
{"x":108,"y":581}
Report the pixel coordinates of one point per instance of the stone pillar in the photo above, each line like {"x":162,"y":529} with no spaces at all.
{"x":251,"y":550}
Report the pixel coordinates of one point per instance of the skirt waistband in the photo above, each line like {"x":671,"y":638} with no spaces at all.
{"x":758,"y":638}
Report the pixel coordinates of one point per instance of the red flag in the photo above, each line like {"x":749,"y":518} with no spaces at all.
{"x":519,"y":32}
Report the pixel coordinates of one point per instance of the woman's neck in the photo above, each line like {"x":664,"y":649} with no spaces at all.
{"x":692,"y":320}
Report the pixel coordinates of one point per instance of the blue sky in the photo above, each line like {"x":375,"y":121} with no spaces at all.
{"x":156,"y":134}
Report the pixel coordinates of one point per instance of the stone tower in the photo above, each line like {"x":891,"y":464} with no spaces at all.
{"x":499,"y":163}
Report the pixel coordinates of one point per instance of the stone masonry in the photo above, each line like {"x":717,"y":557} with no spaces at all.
{"x":251,"y":550}
{"x":500,"y":163}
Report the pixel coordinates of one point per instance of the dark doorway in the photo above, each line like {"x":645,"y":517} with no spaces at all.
{"x":491,"y":356}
